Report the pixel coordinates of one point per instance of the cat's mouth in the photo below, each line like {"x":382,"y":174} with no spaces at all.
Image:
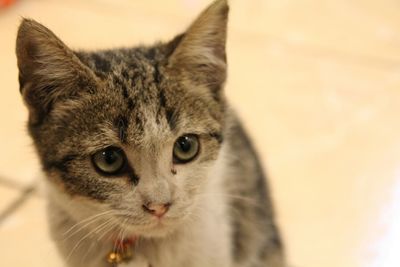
{"x":152,"y":227}
{"x":147,"y":225}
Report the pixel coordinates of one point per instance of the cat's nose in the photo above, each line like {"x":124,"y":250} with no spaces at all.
{"x":157,"y":209}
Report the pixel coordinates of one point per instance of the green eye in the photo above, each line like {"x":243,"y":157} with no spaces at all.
{"x":109,"y":161}
{"x":186,"y":148}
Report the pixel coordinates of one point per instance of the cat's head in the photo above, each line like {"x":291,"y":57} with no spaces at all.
{"x":132,"y":132}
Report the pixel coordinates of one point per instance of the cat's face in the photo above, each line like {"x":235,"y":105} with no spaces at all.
{"x":132,"y":131}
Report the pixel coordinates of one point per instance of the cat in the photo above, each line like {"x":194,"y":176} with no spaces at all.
{"x":146,"y":162}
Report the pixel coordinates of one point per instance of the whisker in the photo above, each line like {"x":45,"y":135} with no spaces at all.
{"x":84,"y":237}
{"x":116,"y":245}
{"x":86,"y":220}
{"x":110,"y":227}
{"x":93,"y":220}
{"x":87,"y":252}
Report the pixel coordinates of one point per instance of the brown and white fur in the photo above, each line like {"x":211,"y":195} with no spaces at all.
{"x":141,"y":100}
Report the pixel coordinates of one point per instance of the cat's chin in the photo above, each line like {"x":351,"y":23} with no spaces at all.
{"x":158,"y":232}
{"x":155,"y":229}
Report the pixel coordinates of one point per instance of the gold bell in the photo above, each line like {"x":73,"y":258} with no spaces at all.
{"x":114,"y":258}
{"x":125,"y":255}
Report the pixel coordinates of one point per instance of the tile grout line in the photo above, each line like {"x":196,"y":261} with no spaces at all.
{"x":11,"y":184}
{"x":17,"y":203}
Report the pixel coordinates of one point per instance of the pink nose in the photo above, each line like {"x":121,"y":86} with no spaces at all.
{"x":157,"y":209}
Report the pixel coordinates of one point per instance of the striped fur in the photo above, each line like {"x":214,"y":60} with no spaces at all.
{"x":141,"y":100}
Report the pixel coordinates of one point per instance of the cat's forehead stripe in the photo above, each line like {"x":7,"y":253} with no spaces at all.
{"x":121,"y":125}
{"x":145,"y":100}
{"x":167,"y":111}
{"x":148,"y":75}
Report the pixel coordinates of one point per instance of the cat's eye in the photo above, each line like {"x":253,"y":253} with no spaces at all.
{"x":109,"y":161}
{"x":186,"y":148}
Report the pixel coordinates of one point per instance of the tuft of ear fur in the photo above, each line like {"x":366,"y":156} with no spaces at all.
{"x":48,"y":70}
{"x":200,"y":53}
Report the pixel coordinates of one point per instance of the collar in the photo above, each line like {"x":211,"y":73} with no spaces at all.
{"x":122,"y":251}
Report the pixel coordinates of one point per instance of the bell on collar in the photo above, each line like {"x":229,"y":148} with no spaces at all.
{"x":124,"y":253}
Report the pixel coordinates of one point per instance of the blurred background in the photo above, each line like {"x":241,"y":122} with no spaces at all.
{"x":317,"y":84}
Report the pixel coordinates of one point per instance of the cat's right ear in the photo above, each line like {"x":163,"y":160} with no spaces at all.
{"x":199,"y":54}
{"x":48,"y":70}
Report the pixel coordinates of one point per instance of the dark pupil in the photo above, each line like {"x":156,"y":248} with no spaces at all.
{"x":184,"y":144}
{"x":110,"y":157}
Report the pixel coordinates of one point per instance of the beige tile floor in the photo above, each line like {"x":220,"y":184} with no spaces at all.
{"x":317,"y":84}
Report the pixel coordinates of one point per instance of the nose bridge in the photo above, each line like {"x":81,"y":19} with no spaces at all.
{"x":154,"y":186}
{"x":156,"y":191}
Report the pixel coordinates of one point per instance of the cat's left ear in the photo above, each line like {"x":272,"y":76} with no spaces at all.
{"x":200,"y":52}
{"x":48,"y":70}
